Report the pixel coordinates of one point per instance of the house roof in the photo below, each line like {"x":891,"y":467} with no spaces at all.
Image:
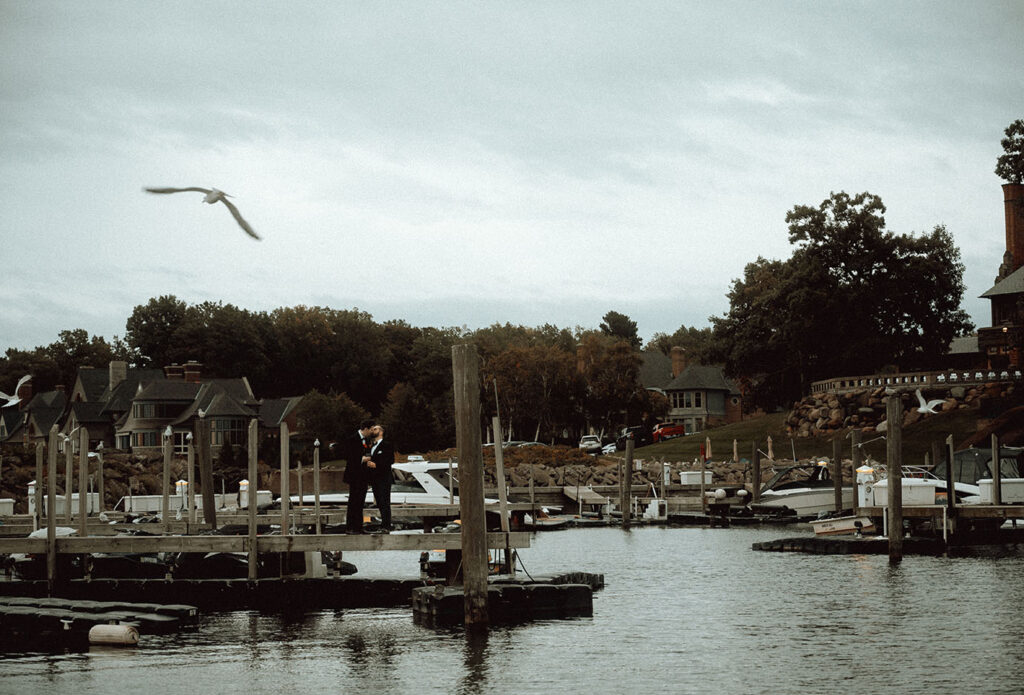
{"x":11,"y":418}
{"x":698,"y":377}
{"x":219,"y":398}
{"x":168,"y":390}
{"x":89,"y":413}
{"x":1011,"y":284}
{"x":655,"y":369}
{"x":273,"y":411}
{"x":94,"y":382}
{"x":963,"y":345}
{"x":119,"y":400}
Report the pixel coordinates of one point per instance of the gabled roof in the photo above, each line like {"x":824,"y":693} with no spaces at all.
{"x":219,"y":398}
{"x":1011,"y":284}
{"x":698,"y":377}
{"x":167,"y":390}
{"x":94,"y":382}
{"x":655,"y":369}
{"x":120,"y":399}
{"x":273,"y":411}
{"x":89,"y":413}
{"x":12,"y":419}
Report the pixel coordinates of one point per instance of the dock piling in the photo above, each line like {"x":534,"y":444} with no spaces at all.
{"x":251,"y":500}
{"x":837,"y":473}
{"x":894,"y":456}
{"x":83,"y":481}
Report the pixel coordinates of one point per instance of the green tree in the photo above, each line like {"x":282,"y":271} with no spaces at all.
{"x":150,"y":330}
{"x":610,"y":371}
{"x":620,"y":326}
{"x":408,"y":421}
{"x":1010,"y":164}
{"x":696,"y":342}
{"x":75,"y":349}
{"x":329,"y":417}
{"x":852,"y":298}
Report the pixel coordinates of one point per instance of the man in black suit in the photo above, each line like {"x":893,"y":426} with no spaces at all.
{"x":354,"y":448}
{"x":378,"y":463}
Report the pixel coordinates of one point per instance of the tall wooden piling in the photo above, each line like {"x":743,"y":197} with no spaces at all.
{"x":499,"y":476}
{"x":190,"y":464}
{"x":165,"y":501}
{"x":997,"y":483}
{"x":316,"y":484}
{"x":856,"y":456}
{"x":466,"y":382}
{"x":837,"y":473}
{"x":69,"y":477}
{"x":626,"y":483}
{"x":894,"y":456}
{"x":40,"y":456}
{"x":285,"y":492}
{"x":83,"y":482}
{"x":755,"y":458}
{"x":202,"y":435}
{"x":950,"y":489}
{"x":102,"y":501}
{"x":251,"y":501}
{"x":51,"y":512}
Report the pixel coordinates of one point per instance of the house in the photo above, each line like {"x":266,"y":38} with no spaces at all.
{"x":700,"y":396}
{"x":1002,"y":343}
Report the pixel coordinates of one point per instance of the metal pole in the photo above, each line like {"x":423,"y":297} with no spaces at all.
{"x":466,"y":382}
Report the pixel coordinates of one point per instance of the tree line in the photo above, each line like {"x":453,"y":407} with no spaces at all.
{"x":851,"y":299}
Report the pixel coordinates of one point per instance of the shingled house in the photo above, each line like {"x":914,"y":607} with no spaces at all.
{"x":700,"y":396}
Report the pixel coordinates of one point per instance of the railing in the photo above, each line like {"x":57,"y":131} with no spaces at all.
{"x":949,"y":377}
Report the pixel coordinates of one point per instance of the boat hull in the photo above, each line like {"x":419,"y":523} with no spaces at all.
{"x":802,"y":502}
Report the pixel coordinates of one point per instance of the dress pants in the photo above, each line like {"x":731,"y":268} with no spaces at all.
{"x":354,"y":510}
{"x":382,"y":497}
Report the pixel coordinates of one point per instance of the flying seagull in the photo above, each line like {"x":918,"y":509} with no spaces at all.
{"x":212,"y":196}
{"x":14,"y":398}
{"x":928,"y":407}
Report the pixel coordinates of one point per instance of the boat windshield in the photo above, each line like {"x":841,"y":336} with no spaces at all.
{"x":971,"y":465}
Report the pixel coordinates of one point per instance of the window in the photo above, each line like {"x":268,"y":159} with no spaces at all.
{"x":697,"y":399}
{"x":147,"y":438}
{"x":229,"y":431}
{"x":687,"y":399}
{"x":181,"y":443}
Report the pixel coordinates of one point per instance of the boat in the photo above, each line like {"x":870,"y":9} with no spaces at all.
{"x":544,"y":520}
{"x":803,"y":490}
{"x":415,"y":483}
{"x":842,"y":526}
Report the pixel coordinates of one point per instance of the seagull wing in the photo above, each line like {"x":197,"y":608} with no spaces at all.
{"x":238,"y":218}
{"x":177,"y":190}
{"x":920,"y":398}
{"x":932,"y":405}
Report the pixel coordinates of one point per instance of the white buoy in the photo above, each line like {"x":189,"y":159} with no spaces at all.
{"x":125,"y":635}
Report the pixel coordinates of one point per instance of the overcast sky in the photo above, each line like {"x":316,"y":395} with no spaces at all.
{"x":461,"y":164}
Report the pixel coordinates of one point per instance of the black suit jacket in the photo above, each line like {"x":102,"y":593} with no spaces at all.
{"x":383,"y":456}
{"x":353,"y":451}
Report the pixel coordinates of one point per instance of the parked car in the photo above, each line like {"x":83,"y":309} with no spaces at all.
{"x":638,"y":434}
{"x":590,"y":443}
{"x":668,"y":430}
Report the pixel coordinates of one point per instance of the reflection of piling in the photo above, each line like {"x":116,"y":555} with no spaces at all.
{"x":894,"y":456}
{"x":466,"y":382}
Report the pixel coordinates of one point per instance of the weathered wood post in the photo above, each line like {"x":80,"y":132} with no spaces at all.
{"x":165,"y":502}
{"x":206,"y":473}
{"x":997,"y":478}
{"x":285,"y":455}
{"x":102,"y":506}
{"x":316,"y":483}
{"x":298,"y":483}
{"x":856,"y":455}
{"x":466,"y":381}
{"x":38,"y":494}
{"x":950,"y":485}
{"x":755,"y":458}
{"x":626,"y":483}
{"x":837,"y":473}
{"x":69,"y":477}
{"x":499,"y":474}
{"x":190,"y":493}
{"x":83,"y":482}
{"x":51,"y":512}
{"x":894,"y":456}
{"x":251,"y":502}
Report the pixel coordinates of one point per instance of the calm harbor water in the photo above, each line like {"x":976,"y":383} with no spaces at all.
{"x":685,"y":610}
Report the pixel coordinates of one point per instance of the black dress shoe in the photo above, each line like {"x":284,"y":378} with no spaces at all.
{"x":355,"y":533}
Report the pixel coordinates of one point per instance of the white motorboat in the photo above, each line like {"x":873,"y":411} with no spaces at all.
{"x":843,"y":526}
{"x":802,"y":491}
{"x":415,"y":483}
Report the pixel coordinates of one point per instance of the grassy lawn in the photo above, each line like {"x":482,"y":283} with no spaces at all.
{"x":917,"y":439}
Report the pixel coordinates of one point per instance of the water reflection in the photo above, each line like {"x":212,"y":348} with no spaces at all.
{"x":474,"y":680}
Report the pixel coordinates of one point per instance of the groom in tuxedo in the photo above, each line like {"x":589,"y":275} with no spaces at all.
{"x":378,"y":465}
{"x":354,"y":448}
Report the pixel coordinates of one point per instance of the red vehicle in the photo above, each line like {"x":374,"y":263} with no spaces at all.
{"x":668,"y":430}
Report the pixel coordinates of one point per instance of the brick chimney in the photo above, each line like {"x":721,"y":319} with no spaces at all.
{"x":118,"y":373}
{"x":1013,"y":205}
{"x":679,"y":361}
{"x":174,"y":372}
{"x":193,"y":371}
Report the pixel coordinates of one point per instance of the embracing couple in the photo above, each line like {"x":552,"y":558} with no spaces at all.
{"x":368,"y":460}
